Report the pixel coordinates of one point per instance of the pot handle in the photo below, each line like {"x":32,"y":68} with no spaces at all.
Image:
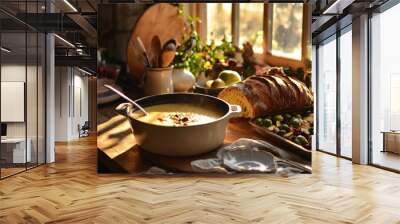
{"x":235,"y":110}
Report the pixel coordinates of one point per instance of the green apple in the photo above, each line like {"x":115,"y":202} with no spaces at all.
{"x":230,"y":77}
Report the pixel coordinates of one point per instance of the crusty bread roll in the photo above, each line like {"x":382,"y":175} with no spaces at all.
{"x":270,"y":93}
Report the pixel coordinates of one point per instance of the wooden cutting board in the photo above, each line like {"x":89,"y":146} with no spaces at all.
{"x":161,"y":19}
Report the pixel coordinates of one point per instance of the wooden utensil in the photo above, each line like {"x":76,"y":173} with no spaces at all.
{"x":155,"y":51}
{"x":168,"y":53}
{"x":144,"y":52}
{"x":163,"y":20}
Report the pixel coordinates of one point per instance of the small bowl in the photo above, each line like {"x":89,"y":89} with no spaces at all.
{"x":198,"y":88}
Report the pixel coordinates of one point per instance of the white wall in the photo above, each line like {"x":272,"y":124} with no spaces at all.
{"x":71,"y":102}
{"x":80,"y":111}
{"x":10,"y":73}
{"x":33,"y":126}
{"x":61,"y":103}
{"x":16,"y":73}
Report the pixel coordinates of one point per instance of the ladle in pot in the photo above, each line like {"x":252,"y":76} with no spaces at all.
{"x":126,"y":98}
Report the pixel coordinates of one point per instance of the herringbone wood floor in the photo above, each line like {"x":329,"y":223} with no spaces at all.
{"x":70,"y":191}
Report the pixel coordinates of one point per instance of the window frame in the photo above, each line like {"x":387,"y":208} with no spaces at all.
{"x":370,"y":73}
{"x":25,"y":30}
{"x":305,"y":40}
{"x":334,"y":37}
{"x":200,"y":10}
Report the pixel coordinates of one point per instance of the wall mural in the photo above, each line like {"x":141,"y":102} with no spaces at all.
{"x":181,"y":90}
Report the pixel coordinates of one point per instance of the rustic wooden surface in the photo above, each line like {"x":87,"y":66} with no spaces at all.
{"x":160,"y":19}
{"x":71,"y":191}
{"x":116,"y":140}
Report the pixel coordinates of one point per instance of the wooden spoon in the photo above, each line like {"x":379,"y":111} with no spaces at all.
{"x":168,"y":53}
{"x":144,"y":52}
{"x":155,"y":51}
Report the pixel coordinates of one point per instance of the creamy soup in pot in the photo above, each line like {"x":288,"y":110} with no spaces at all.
{"x":178,"y":115}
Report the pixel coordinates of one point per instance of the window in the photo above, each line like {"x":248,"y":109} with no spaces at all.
{"x":327,"y":97}
{"x":385,"y":87}
{"x":218,"y":25}
{"x":278,"y":27}
{"x":22,"y":75}
{"x":346,"y":94}
{"x":251,"y":25}
{"x":285,"y":30}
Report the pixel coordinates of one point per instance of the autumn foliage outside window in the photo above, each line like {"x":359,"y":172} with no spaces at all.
{"x":286,"y":26}
{"x":280,"y":25}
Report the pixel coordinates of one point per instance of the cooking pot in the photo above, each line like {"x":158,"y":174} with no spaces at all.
{"x":181,"y":140}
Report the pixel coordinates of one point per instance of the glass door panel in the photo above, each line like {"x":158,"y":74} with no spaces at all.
{"x":22,"y":66}
{"x":327,"y":96}
{"x":31,"y":98}
{"x":385,"y":89}
{"x":346,"y":94}
{"x":14,"y":154}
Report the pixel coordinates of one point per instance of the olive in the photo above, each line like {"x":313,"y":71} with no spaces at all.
{"x":298,"y":116}
{"x":259,"y":121}
{"x":311,"y":130}
{"x":285,"y":127}
{"x":301,"y":140}
{"x":295,"y":122}
{"x":276,"y":129}
{"x":287,"y":117}
{"x":278,"y":117}
{"x":281,"y":132}
{"x":267,"y":122}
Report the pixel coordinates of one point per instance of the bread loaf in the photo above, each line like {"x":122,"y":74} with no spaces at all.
{"x":270,"y":93}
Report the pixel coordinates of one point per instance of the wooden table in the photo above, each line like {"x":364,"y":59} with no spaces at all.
{"x":118,"y":150}
{"x":391,"y":141}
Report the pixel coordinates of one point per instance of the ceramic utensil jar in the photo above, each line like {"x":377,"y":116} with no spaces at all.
{"x":158,"y":81}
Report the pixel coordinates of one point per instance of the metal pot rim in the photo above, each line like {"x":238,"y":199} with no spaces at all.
{"x":232,"y":110}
